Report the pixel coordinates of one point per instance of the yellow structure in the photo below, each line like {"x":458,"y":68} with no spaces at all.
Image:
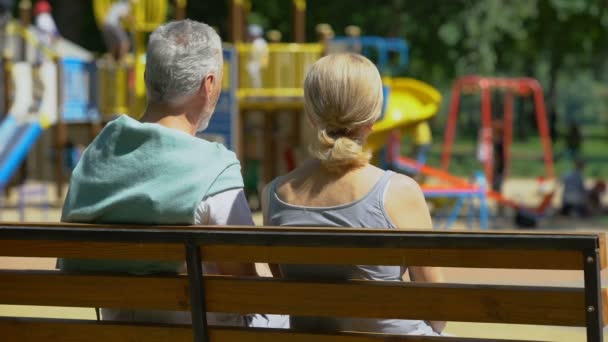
{"x":410,"y":102}
{"x":283,"y":76}
{"x":116,"y":95}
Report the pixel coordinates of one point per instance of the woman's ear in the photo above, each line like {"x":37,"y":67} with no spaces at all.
{"x":367,"y":128}
{"x":362,"y":132}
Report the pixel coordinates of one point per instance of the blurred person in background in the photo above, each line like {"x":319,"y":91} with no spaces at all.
{"x":46,"y":28}
{"x":353,"y":32}
{"x":595,"y":198}
{"x":573,"y":141}
{"x":114,"y":34}
{"x":574,"y":197}
{"x":324,"y":35}
{"x":258,"y":57}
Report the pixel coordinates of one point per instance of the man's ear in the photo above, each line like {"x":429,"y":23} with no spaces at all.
{"x":207,"y":85}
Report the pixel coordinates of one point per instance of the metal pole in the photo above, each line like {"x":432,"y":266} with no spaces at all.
{"x":299,"y":21}
{"x":236,"y":21}
{"x":60,"y":134}
{"x":197,"y":292}
{"x":593,"y":289}
{"x":25,"y":17}
{"x":450,"y":130}
{"x":508,"y":129}
{"x":486,"y":131}
{"x":180,"y":9}
{"x":543,"y":127}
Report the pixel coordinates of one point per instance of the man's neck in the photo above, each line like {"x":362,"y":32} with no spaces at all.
{"x":170,"y":117}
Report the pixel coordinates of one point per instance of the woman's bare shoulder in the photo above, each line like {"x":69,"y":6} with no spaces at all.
{"x":405,"y":204}
{"x":404,"y":187}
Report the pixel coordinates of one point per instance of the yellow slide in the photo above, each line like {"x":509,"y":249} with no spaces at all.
{"x":409,"y":102}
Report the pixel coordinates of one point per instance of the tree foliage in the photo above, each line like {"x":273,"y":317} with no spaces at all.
{"x":564,"y":43}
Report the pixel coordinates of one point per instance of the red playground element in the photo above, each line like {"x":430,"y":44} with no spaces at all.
{"x":510,"y":87}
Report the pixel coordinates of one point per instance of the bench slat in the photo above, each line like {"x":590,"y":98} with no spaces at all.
{"x":475,"y":258}
{"x":26,"y":330}
{"x":52,"y":288}
{"x":303,"y":236}
{"x":450,"y":302}
{"x":478,"y":258}
{"x":603,"y":253}
{"x":443,"y":302}
{"x":92,"y":250}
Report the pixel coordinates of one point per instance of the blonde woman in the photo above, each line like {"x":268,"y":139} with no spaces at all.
{"x":339,"y":188}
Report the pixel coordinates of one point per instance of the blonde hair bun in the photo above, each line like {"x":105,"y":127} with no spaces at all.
{"x":342,"y":96}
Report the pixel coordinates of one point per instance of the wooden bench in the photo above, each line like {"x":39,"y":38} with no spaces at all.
{"x":539,"y":305}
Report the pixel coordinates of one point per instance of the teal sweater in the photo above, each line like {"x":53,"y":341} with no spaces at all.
{"x":142,"y":173}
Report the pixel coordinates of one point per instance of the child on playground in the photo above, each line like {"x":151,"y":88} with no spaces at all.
{"x":340,"y":188}
{"x":574,"y":198}
{"x":595,"y":198}
{"x":114,"y":35}
{"x":45,"y":26}
{"x":258,"y":58}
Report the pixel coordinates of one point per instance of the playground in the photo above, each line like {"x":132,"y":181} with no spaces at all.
{"x":259,"y":116}
{"x":483,"y":144}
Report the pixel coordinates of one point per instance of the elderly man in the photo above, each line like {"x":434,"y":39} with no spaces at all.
{"x":155,"y":171}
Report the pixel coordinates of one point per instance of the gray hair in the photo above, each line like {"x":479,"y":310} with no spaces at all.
{"x":180,"y":55}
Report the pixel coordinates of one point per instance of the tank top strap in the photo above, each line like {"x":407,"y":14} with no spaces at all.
{"x":272,"y":195}
{"x":379,"y":190}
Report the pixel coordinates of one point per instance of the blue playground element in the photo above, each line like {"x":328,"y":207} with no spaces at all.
{"x":461,"y":196}
{"x":79,"y":91}
{"x":379,"y":49}
{"x":16,"y":141}
{"x":223,"y":125}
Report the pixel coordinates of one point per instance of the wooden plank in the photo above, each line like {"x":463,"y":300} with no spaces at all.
{"x":603,"y":254}
{"x":450,"y":302}
{"x":92,"y":250}
{"x":443,"y":302}
{"x":53,"y":288}
{"x":604,"y":300}
{"x":477,"y":258}
{"x":272,"y":335}
{"x":25,"y":330}
{"x":558,"y":233}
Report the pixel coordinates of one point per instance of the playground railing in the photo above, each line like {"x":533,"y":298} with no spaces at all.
{"x":146,"y":15}
{"x":283,"y":74}
{"x":113,"y":88}
{"x":16,"y":32}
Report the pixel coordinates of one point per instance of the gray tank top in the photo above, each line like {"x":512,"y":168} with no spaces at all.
{"x":366,"y":212}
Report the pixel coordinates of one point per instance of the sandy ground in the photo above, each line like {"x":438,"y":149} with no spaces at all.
{"x":522,"y":188}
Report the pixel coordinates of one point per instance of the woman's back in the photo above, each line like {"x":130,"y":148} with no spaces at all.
{"x":310,"y":197}
{"x":313,"y":187}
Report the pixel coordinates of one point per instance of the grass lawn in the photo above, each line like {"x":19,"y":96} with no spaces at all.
{"x":526,"y":157}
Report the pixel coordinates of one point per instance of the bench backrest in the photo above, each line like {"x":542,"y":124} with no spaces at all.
{"x":514,"y":304}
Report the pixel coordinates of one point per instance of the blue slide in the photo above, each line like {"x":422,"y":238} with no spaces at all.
{"x":16,"y":141}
